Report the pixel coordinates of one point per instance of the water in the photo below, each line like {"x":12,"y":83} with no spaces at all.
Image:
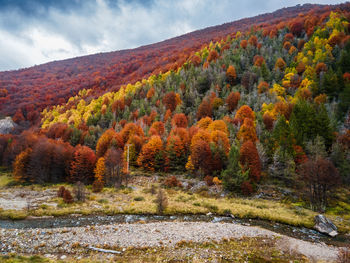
{"x":292,"y":231}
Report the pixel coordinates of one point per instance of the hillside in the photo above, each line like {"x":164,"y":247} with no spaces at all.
{"x":245,"y":123}
{"x":269,"y":103}
{"x":28,"y":91}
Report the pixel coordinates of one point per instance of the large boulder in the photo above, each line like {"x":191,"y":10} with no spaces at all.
{"x":325,"y":226}
{"x":6,"y":125}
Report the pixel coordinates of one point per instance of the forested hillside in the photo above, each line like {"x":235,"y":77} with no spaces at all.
{"x":25,"y":93}
{"x":269,"y":102}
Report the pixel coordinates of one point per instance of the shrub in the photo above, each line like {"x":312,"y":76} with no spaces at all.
{"x":67,"y":197}
{"x":139,"y":198}
{"x":162,"y":201}
{"x":79,"y":191}
{"x":172,"y":181}
{"x":208,"y":180}
{"x":217,"y":181}
{"x":97,"y":186}
{"x":320,"y":176}
{"x":247,"y":188}
{"x":60,"y":191}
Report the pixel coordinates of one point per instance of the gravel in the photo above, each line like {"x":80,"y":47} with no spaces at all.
{"x":73,"y":239}
{"x":24,"y":198}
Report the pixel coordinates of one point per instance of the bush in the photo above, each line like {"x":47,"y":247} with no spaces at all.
{"x":79,"y":191}
{"x":227,"y":212}
{"x":172,"y":181}
{"x":208,"y":180}
{"x":67,"y":197}
{"x":60,"y":191}
{"x":139,"y":198}
{"x":162,"y":201}
{"x":97,"y":186}
{"x":247,"y":188}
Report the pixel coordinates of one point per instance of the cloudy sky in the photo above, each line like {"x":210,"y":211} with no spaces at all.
{"x":37,"y":31}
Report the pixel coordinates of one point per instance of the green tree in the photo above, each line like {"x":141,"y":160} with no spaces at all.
{"x":234,"y":176}
{"x":309,"y":120}
{"x":282,"y":135}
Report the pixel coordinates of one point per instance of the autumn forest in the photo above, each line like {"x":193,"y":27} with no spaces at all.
{"x":260,"y":99}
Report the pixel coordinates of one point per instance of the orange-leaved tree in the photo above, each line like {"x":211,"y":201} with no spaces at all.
{"x":129,"y":130}
{"x":83,"y":164}
{"x":100,"y":170}
{"x":247,"y":131}
{"x":20,"y":166}
{"x":157,"y":128}
{"x":150,"y":155}
{"x":179,"y":120}
{"x":280,"y":64}
{"x":108,"y":138}
{"x":175,"y":153}
{"x":231,"y":74}
{"x":218,"y":125}
{"x":204,"y":109}
{"x":249,"y":159}
{"x":244,"y":112}
{"x":232,"y":100}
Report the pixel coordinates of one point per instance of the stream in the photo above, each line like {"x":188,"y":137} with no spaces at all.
{"x":81,"y":220}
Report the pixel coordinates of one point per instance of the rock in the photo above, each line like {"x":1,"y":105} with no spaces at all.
{"x":209,"y":214}
{"x":325,"y":226}
{"x":198,"y":186}
{"x":7,"y":125}
{"x":63,"y":257}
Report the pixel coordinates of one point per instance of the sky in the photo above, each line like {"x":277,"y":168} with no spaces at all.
{"x":33,"y":32}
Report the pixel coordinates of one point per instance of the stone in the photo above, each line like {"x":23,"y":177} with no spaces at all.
{"x":7,"y":125}
{"x":325,"y":226}
{"x":63,"y":257}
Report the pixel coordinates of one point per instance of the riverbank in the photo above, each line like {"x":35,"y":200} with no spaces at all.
{"x":19,"y":202}
{"x":57,"y":243}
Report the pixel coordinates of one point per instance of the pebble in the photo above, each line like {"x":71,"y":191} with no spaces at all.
{"x":60,"y":240}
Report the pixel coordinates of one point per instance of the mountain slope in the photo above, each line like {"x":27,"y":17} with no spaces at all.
{"x":270,"y":104}
{"x":29,"y":91}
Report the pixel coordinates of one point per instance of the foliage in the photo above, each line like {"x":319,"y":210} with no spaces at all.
{"x":114,"y":167}
{"x":67,"y":197}
{"x":108,"y":138}
{"x":149,"y":153}
{"x":249,"y":159}
{"x":232,"y":101}
{"x":319,"y":176}
{"x":83,"y":164}
{"x":172,"y":181}
{"x":234,"y":176}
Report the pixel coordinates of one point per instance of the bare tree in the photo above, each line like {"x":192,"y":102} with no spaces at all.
{"x":162,"y":201}
{"x":319,"y":177}
{"x":79,"y":191}
{"x":114,"y":167}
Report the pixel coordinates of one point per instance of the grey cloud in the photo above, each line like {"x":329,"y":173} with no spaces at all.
{"x":45,"y":30}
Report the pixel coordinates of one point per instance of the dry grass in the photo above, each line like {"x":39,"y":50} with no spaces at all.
{"x":5,"y":179}
{"x":141,"y":201}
